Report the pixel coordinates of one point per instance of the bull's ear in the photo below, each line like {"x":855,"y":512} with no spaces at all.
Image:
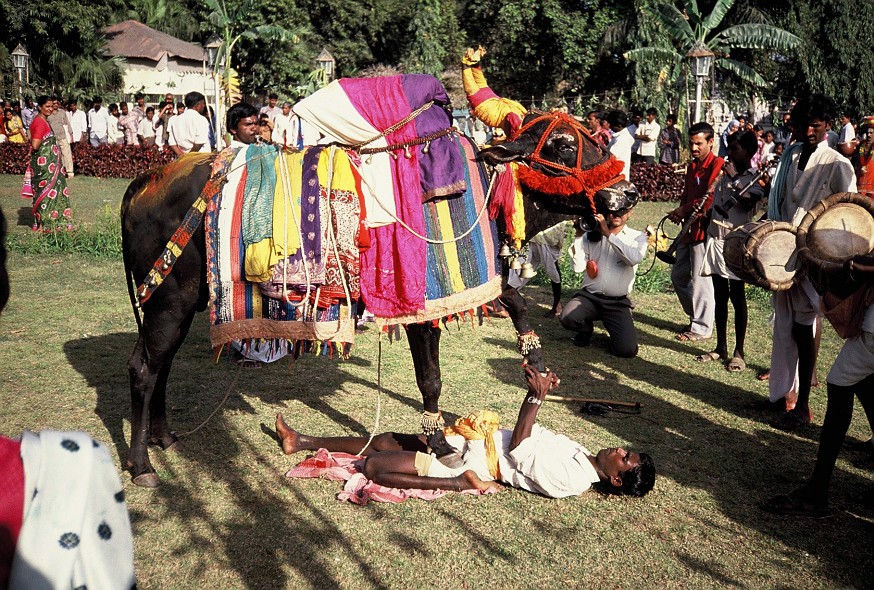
{"x":500,"y":154}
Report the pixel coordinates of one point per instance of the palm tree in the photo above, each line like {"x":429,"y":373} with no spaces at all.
{"x":689,"y":28}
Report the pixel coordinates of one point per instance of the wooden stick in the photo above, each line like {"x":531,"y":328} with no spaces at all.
{"x":586,"y":400}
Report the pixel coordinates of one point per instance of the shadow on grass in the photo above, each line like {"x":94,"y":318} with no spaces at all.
{"x":737,"y":467}
{"x":196,"y":386}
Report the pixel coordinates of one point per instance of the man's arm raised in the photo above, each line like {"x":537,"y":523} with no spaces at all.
{"x":539,"y":384}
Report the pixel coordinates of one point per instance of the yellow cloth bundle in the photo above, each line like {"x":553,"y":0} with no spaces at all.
{"x":262,"y":256}
{"x":480,"y":425}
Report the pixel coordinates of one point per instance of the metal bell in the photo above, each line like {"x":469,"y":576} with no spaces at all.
{"x":515,"y":264}
{"x":505,"y":251}
{"x":527,"y":271}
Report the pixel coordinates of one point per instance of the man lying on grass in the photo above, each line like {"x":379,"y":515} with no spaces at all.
{"x":529,"y":457}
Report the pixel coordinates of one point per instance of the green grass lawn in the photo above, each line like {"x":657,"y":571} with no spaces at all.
{"x":226,"y":517}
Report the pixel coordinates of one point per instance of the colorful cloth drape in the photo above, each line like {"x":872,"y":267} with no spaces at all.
{"x":239,"y":309}
{"x":45,"y":182}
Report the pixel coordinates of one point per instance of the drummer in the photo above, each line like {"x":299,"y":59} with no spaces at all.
{"x":737,"y":199}
{"x":809,"y":171}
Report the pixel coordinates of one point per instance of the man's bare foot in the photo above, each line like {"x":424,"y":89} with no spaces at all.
{"x":554,"y":312}
{"x":287,"y":434}
{"x":478,"y":484}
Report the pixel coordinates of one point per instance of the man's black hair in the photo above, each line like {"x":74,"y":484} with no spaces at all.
{"x":272,"y":95}
{"x":652,"y":111}
{"x":192,"y":98}
{"x":97,"y":99}
{"x":747,"y":140}
{"x":636,"y":482}
{"x":701,"y":127}
{"x":617,"y":119}
{"x":139,"y":95}
{"x":817,"y":106}
{"x":238,"y":112}
{"x":671,"y":117}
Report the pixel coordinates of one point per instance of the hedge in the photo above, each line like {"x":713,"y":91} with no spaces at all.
{"x":105,"y":161}
{"x":655,"y":183}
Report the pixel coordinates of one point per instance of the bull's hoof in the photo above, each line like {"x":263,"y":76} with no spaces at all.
{"x":147,"y":480}
{"x":170,"y":442}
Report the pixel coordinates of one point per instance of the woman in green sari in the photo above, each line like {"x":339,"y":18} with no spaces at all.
{"x":45,"y":179}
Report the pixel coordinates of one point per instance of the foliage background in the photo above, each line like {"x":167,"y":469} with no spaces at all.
{"x":541,"y":51}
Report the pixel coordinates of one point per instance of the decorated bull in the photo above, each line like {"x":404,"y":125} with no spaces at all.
{"x":396,"y":215}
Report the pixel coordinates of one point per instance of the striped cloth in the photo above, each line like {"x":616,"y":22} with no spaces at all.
{"x":238,"y":309}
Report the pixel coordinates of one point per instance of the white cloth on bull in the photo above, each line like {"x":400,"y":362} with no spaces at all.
{"x":343,"y":123}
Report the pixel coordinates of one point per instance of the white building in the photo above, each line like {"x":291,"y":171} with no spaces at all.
{"x":158,"y":63}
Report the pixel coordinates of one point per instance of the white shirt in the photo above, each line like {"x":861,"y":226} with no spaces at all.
{"x":98,"y":122}
{"x":113,"y":133}
{"x":848,"y":134}
{"x":620,"y":146}
{"x":271,"y":112}
{"x":617,"y":257}
{"x":546,"y":463}
{"x":145,"y":128}
{"x":651,"y":131}
{"x":827,"y":172}
{"x":78,"y":122}
{"x":188,"y":129}
{"x":287,"y":131}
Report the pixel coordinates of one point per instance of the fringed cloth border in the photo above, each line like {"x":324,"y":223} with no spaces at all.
{"x":341,"y":330}
{"x":447,"y":306}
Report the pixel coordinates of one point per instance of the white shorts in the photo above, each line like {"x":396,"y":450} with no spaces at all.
{"x":854,"y":363}
{"x":473,"y":457}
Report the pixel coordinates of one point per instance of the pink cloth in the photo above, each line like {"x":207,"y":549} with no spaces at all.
{"x":358,"y":489}
{"x":393,"y":270}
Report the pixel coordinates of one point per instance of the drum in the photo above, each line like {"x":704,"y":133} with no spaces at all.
{"x":763,"y":253}
{"x":835,"y":230}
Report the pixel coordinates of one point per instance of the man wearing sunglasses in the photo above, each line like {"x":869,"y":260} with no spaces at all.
{"x":608,"y":257}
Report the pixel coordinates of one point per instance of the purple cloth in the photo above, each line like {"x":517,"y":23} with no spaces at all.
{"x":441,"y":169}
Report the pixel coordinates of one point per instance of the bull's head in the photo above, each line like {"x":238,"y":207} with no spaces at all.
{"x":564,"y":167}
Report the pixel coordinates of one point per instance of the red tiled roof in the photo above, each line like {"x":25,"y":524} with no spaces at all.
{"x":134,"y":39}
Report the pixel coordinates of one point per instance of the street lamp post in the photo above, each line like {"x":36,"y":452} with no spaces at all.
{"x":212,"y":51}
{"x":19,"y":61}
{"x":700,"y":60}
{"x":326,"y":62}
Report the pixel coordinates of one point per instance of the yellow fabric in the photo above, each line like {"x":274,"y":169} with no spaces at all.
{"x":262,"y":256}
{"x":518,"y":233}
{"x":450,"y":249}
{"x":481,"y":425}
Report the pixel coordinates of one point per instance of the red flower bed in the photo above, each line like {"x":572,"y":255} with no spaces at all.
{"x":657,"y":183}
{"x":106,"y":161}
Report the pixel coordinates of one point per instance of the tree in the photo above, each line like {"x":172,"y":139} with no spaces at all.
{"x":539,"y":47}
{"x":434,"y":37}
{"x":690,"y":27}
{"x":168,"y":16}
{"x":229,"y":24}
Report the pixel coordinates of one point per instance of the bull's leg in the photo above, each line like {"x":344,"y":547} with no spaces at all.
{"x":529,"y":342}
{"x":159,"y":431}
{"x":425,"y":349}
{"x":163,"y":331}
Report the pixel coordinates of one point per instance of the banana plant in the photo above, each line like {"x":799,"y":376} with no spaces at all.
{"x":689,"y":27}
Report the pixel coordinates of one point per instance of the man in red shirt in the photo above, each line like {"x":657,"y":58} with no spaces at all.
{"x":694,"y":291}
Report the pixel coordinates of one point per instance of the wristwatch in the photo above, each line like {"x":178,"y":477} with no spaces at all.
{"x":533,"y":400}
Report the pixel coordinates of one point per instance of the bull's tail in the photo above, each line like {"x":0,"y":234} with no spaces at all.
{"x":126,"y":255}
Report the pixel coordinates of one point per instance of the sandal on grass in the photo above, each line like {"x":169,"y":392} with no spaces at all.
{"x":735,"y":365}
{"x":691,"y":337}
{"x":708,"y":356}
{"x":248,"y":364}
{"x":790,"y":421}
{"x":792,"y":505}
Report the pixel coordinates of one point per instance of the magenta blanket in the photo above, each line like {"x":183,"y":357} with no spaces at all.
{"x":359,"y":489}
